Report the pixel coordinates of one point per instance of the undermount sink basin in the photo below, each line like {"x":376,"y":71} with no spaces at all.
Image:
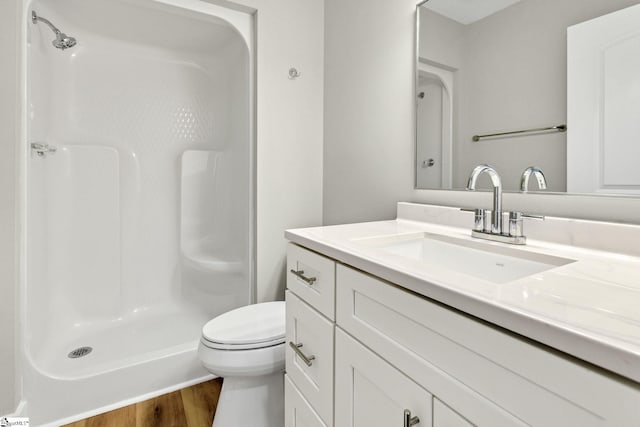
{"x":494,"y":263}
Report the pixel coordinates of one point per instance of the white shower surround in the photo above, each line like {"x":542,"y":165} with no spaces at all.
{"x":151,"y":116}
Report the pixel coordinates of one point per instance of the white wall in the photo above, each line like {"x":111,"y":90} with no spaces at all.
{"x":368,"y":148}
{"x":8,"y":134}
{"x":290,"y":130}
{"x":369,"y":122}
{"x":289,"y":148}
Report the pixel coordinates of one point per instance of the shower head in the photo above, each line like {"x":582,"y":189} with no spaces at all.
{"x":62,"y":40}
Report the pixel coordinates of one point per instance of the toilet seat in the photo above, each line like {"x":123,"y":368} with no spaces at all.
{"x":247,"y":328}
{"x":249,"y":346}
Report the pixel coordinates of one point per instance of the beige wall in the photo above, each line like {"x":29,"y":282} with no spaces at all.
{"x":369,"y":122}
{"x":368,"y":146}
{"x":8,"y":135}
{"x":442,"y":40}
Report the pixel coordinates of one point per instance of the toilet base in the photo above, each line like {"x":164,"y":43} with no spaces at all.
{"x":251,"y":401}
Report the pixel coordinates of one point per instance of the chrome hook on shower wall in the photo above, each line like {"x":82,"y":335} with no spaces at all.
{"x":41,"y":150}
{"x":294,"y":73}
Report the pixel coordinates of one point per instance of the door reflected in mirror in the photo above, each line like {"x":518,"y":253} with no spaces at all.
{"x":488,"y":67}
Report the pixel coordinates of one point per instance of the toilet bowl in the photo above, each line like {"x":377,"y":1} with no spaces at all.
{"x":246,"y":347}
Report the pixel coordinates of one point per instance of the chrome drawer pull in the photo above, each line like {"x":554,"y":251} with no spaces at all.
{"x":300,"y":274}
{"x":306,"y":359}
{"x":409,"y":420}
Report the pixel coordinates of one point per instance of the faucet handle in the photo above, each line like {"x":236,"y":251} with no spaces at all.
{"x":537,"y":217}
{"x":515,"y":222}
{"x":478,"y":218}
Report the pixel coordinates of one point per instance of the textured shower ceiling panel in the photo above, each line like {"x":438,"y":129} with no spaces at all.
{"x":468,"y":11}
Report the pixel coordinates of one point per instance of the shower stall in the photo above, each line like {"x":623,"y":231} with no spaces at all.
{"x":137,"y":196}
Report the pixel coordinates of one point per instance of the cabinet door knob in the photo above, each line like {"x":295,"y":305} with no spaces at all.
{"x":300,"y":274}
{"x":306,"y":359}
{"x":409,"y":420}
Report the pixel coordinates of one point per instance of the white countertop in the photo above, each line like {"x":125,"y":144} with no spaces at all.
{"x":589,"y":308}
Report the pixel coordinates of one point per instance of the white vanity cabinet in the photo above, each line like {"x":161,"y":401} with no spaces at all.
{"x":395,"y":350}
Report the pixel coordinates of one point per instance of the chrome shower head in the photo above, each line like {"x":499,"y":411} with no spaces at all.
{"x":62,"y":40}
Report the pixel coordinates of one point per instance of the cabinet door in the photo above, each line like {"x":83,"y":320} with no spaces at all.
{"x":372,"y":393}
{"x":298,"y":412}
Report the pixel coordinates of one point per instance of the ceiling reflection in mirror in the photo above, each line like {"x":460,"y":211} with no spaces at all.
{"x":497,"y":70}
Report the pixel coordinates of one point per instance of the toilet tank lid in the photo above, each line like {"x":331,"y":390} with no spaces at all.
{"x":250,"y":324}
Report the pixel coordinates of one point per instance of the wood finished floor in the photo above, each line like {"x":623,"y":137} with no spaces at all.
{"x":190,"y":407}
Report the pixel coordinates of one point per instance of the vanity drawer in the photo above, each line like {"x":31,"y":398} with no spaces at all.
{"x":474,"y":367}
{"x":312,"y":277}
{"x":312,"y":335}
{"x":297,"y":411}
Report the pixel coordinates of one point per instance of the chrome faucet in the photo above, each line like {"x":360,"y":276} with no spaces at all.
{"x":524,"y":179}
{"x":496,"y":212}
{"x":495,"y":231}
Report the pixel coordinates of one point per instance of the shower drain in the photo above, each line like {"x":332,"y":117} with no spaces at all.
{"x":79,"y":352}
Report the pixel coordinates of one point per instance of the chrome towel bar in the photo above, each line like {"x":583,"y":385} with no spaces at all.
{"x":559,"y":128}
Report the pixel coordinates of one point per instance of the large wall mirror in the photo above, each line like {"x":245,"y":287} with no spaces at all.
{"x":553,"y":84}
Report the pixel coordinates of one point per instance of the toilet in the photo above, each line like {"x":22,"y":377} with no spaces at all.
{"x":246,"y":347}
